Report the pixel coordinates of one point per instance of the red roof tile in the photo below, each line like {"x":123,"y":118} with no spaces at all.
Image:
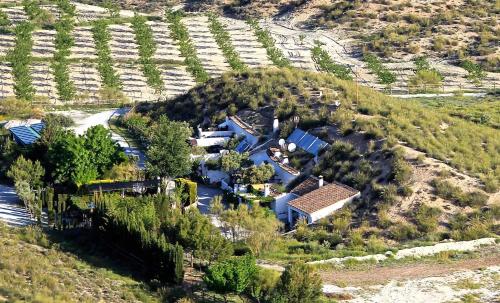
{"x":307,"y":186}
{"x":323,"y":197}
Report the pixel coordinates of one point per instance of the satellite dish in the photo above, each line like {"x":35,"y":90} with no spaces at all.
{"x":281,"y":142}
{"x":292,"y":147}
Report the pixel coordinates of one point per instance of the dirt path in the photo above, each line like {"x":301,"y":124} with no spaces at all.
{"x":382,"y":275}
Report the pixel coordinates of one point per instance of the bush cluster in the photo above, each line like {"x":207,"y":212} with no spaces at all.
{"x":384,"y":75}
{"x":273,"y":53}
{"x":448,"y":191}
{"x":101,"y":35}
{"x":64,"y":40}
{"x":147,"y":49}
{"x":427,"y":218}
{"x":20,"y":59}
{"x":180,"y":34}
{"x":475,"y":71}
{"x":223,"y":40}
{"x":325,"y":62}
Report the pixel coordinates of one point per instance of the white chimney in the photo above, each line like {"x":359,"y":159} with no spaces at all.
{"x":267,"y":189}
{"x":285,"y":160}
{"x":276,"y":125}
{"x":320,"y":181}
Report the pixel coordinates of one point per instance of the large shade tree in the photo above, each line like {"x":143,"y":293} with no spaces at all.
{"x":104,"y":151}
{"x":72,"y":162}
{"x":168,"y":154}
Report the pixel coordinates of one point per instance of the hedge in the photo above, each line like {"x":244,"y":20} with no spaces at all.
{"x":190,"y":188}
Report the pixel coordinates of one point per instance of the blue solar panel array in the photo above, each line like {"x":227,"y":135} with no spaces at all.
{"x":242,"y":147}
{"x":306,"y":141}
{"x":38,"y":127}
{"x":26,"y":135}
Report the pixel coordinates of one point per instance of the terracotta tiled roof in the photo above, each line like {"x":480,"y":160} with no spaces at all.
{"x":323,"y":197}
{"x":307,"y":186}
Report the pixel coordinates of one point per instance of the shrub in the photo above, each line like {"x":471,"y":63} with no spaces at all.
{"x":446,"y":190}
{"x":401,"y":170}
{"x":475,"y":72}
{"x":375,"y":245}
{"x":403,"y":231}
{"x":427,"y":218}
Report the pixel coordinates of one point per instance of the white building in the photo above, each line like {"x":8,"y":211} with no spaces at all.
{"x":315,"y":200}
{"x":242,"y":129}
{"x":282,"y":169}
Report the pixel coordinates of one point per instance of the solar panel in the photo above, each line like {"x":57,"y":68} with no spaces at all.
{"x":296,"y":135}
{"x":38,"y":127}
{"x":317,"y":146}
{"x":24,"y":135}
{"x":306,"y":141}
{"x":242,"y":147}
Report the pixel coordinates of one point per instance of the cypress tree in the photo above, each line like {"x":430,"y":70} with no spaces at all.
{"x":49,"y":194}
{"x":178,"y":263}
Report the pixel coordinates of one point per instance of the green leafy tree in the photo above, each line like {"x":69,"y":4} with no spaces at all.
{"x":299,"y":283}
{"x":197,"y":233}
{"x":26,"y":170}
{"x":232,"y":161}
{"x":168,"y":152}
{"x":232,"y":275}
{"x":258,"y":174}
{"x":27,"y":175}
{"x":104,"y":151}
{"x":71,"y":161}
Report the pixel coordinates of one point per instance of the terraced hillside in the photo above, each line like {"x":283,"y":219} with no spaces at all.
{"x":104,"y":59}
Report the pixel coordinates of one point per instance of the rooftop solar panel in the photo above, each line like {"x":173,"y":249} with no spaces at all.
{"x":242,"y":147}
{"x":38,"y":127}
{"x":296,"y":135}
{"x":24,"y":135}
{"x":306,"y":141}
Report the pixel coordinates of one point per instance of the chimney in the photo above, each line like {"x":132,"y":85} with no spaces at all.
{"x":267,"y":189}
{"x":285,"y":160}
{"x":320,"y":181}
{"x":276,"y":125}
